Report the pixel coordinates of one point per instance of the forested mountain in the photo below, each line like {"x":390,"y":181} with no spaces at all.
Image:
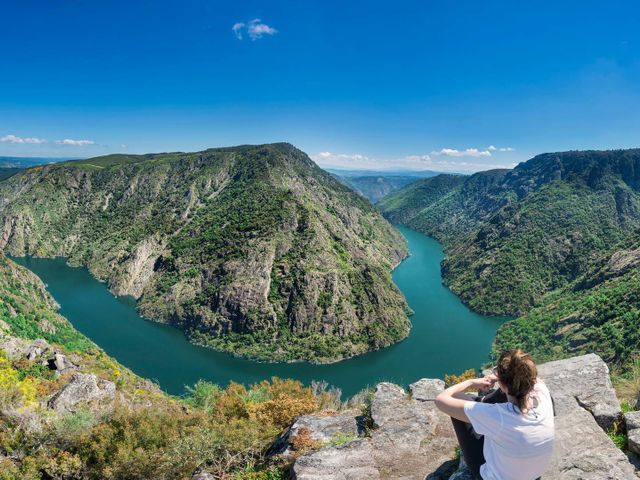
{"x":598,"y":312}
{"x":253,"y":250}
{"x":513,"y":235}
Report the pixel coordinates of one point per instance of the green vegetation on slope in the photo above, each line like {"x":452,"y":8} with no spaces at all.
{"x":142,"y":433}
{"x":29,"y":311}
{"x":252,"y":250}
{"x":511,"y":236}
{"x":599,"y":312}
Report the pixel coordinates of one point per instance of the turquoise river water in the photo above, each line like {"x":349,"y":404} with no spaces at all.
{"x":446,"y":336}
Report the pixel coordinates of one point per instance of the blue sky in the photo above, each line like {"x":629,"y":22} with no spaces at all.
{"x":422,"y":85}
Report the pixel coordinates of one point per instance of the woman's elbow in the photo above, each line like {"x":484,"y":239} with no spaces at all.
{"x":440,"y":401}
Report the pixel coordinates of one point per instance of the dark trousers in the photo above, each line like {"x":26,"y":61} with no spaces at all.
{"x":471,"y":443}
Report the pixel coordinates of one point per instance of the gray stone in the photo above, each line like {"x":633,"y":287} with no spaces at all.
{"x":426,"y":389}
{"x":321,"y":429}
{"x":583,"y":450}
{"x":13,"y":347}
{"x":83,"y":387}
{"x":36,"y":349}
{"x":61,"y":363}
{"x":413,"y":440}
{"x":585,"y":379}
{"x":632,"y":421}
{"x":203,"y":476}
{"x":353,"y":460}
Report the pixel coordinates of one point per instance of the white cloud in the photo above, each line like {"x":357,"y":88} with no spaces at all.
{"x":469,"y":152}
{"x":237,"y":29}
{"x":491,"y":148}
{"x":15,"y":139}
{"x":409,"y":162}
{"x":254,"y":28}
{"x":507,"y":149}
{"x":75,"y":143}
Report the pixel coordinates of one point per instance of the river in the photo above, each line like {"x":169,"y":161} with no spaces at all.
{"x":446,"y":336}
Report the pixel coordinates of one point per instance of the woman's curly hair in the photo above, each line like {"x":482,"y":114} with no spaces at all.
{"x":517,"y":371}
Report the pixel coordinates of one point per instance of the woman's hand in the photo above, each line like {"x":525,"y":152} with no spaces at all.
{"x":484,"y":383}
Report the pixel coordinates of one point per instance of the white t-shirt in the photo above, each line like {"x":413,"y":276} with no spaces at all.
{"x":516,"y":446}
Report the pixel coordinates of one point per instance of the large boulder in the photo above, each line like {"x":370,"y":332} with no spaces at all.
{"x":83,"y":387}
{"x":632,"y":421}
{"x":17,"y":348}
{"x":413,"y":440}
{"x":60,"y":363}
{"x":585,"y":380}
{"x":318,"y":430}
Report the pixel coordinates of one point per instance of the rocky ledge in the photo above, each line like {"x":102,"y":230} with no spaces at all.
{"x":410,"y":439}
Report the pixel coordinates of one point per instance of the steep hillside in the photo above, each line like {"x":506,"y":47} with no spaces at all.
{"x":69,"y":411}
{"x":513,"y":235}
{"x":28,"y":311}
{"x":598,"y":312}
{"x":6,"y":172}
{"x":252,"y":250}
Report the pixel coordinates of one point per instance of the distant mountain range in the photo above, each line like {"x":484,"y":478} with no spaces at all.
{"x":374,"y":185}
{"x":26,"y":162}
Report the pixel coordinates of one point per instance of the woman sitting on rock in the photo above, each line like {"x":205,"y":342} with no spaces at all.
{"x":508,"y":433}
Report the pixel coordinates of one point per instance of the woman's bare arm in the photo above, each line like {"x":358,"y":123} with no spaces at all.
{"x":452,"y":401}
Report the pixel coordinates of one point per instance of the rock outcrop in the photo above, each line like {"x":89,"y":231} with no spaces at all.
{"x":632,"y":422}
{"x":584,"y":380}
{"x":37,"y":350}
{"x":83,"y":387}
{"x":413,"y":440}
{"x":320,"y":430}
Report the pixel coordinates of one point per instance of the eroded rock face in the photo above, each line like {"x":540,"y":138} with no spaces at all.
{"x":16,"y":347}
{"x":83,"y":387}
{"x":632,"y":420}
{"x":415,"y":441}
{"x":585,"y":380}
{"x":322,"y":430}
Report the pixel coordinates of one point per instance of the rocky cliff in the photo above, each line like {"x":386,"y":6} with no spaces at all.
{"x":252,"y":250}
{"x":511,"y":236}
{"x":597,"y":312}
{"x":411,"y":439}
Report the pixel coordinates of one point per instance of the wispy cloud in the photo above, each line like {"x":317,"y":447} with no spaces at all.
{"x":409,"y":162}
{"x":493,"y":148}
{"x":254,"y":28}
{"x":75,"y":143}
{"x":238,"y":29}
{"x":469,"y":152}
{"x":15,"y":139}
